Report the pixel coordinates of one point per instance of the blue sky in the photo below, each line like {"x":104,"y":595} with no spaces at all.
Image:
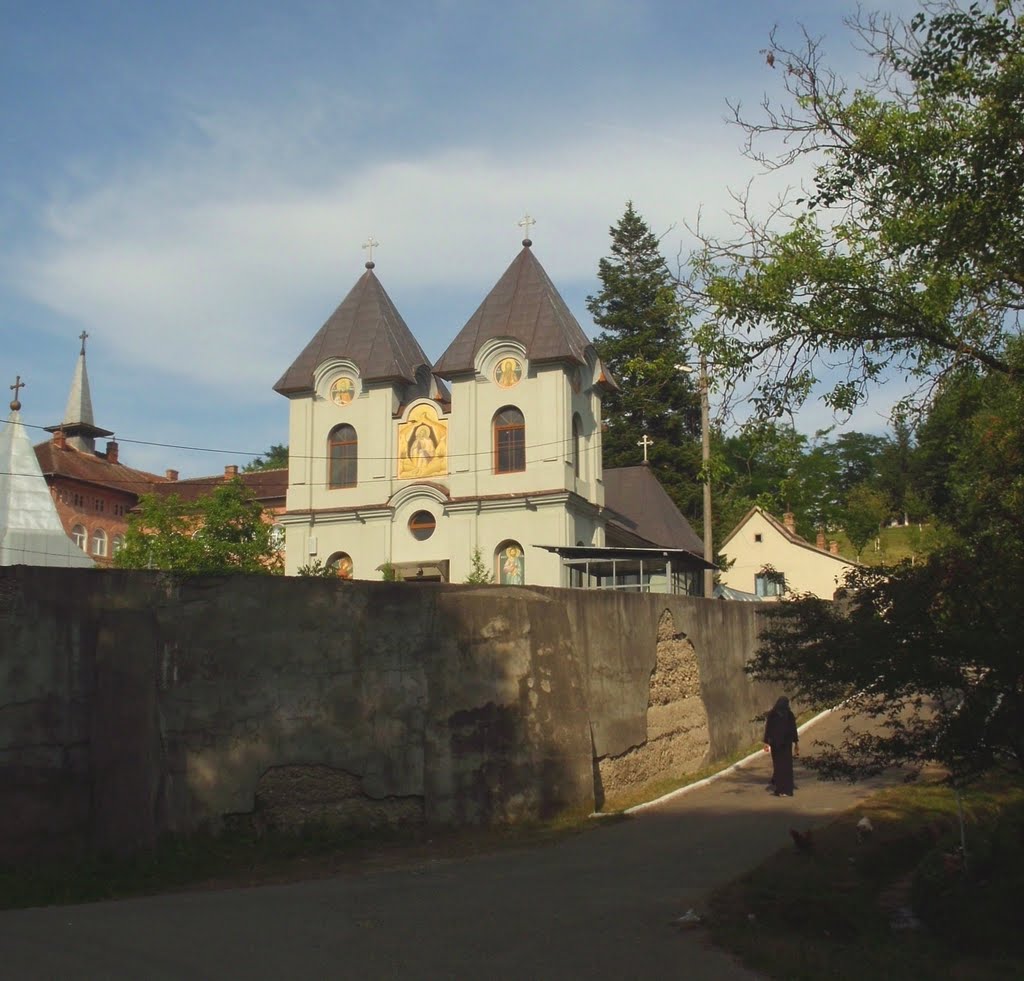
{"x":191,"y":183}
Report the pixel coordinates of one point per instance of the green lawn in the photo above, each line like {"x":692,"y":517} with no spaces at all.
{"x":893,"y":545}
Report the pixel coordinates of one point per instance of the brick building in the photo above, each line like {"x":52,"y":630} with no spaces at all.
{"x":92,"y":489}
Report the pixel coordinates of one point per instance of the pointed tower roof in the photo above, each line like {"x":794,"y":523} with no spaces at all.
{"x":368,"y":330}
{"x":524,"y":305}
{"x":78,"y":425}
{"x":31,"y":532}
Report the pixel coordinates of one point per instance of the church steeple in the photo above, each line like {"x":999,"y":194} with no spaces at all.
{"x":31,"y":532}
{"x":368,"y":330}
{"x":78,"y":426}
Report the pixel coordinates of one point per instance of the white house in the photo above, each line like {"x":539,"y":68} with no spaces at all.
{"x":769,"y":558}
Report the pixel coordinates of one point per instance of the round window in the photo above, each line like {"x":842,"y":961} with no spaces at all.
{"x":422,"y":525}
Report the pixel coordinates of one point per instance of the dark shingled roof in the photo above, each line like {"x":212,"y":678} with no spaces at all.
{"x":644,"y":512}
{"x":525,"y":306}
{"x":366,"y":329}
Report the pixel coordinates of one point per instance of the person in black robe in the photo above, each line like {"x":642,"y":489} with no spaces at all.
{"x":782,"y":739}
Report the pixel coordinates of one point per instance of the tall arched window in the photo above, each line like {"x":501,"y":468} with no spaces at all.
{"x":80,"y":537}
{"x":117,"y":543}
{"x":99,"y":542}
{"x":577,"y":443}
{"x":509,"y":440}
{"x":342,"y":452}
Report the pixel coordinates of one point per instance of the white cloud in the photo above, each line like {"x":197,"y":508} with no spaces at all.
{"x":187,"y":263}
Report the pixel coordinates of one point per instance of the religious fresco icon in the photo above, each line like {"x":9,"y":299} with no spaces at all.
{"x":422,"y":444}
{"x":343,"y":390}
{"x":511,"y":564}
{"x":508,"y":372}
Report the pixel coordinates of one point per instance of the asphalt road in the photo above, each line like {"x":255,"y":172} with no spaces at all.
{"x":598,"y":905}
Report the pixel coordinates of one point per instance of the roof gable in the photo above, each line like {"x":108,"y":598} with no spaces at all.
{"x":525,"y":306}
{"x":366,"y":329}
{"x":783,"y":532}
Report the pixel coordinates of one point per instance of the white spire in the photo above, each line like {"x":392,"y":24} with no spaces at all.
{"x":31,"y":532}
{"x":79,"y":407}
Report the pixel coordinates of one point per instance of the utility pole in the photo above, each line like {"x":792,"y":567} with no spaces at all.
{"x":705,"y":453}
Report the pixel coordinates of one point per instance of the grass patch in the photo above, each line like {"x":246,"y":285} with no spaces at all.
{"x":830,"y":912}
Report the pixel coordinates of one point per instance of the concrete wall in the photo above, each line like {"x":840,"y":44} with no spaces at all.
{"x":134,"y":703}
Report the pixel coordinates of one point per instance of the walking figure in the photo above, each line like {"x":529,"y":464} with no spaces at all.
{"x":783,"y":742}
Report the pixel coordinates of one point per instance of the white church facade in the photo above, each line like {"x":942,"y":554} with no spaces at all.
{"x":394,"y":461}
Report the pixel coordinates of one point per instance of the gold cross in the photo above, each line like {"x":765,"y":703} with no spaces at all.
{"x":645,"y":442}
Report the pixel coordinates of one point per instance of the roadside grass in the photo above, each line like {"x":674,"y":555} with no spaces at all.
{"x":240,"y":859}
{"x":840,"y":909}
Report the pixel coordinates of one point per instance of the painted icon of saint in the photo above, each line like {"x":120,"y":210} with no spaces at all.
{"x":508,"y":372}
{"x":422,"y":447}
{"x":512,"y":566}
{"x":343,"y":391}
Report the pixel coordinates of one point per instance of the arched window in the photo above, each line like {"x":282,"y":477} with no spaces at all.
{"x":116,"y":544}
{"x":511,"y":564}
{"x":509,"y":440}
{"x":341,"y":563}
{"x":80,"y":537}
{"x":99,"y":542}
{"x":577,"y":443}
{"x":342,"y":452}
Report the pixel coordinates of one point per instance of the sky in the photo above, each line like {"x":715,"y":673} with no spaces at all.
{"x":191,"y":183}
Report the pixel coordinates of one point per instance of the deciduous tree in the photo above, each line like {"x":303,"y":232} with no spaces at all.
{"x":222,"y":532}
{"x":905,"y":255}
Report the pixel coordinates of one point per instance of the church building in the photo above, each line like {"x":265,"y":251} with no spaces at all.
{"x":399,"y":464}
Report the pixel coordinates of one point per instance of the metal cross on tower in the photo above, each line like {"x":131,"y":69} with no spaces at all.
{"x":16,"y":388}
{"x":526,"y":223}
{"x":370,"y":244}
{"x":83,"y":337}
{"x":645,"y":442}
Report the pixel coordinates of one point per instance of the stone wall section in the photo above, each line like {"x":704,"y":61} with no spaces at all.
{"x":136,"y":703}
{"x":677,"y":739}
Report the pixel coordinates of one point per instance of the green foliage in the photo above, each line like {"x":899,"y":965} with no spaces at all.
{"x":389,"y":573}
{"x":276,"y":458}
{"x":222,"y":532}
{"x":866,"y":509}
{"x":642,"y":342}
{"x":905,"y":255}
{"x":317,"y":569}
{"x":933,"y":651}
{"x":479,"y":574}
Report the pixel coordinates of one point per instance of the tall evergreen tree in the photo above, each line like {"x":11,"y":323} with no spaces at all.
{"x":642,"y":341}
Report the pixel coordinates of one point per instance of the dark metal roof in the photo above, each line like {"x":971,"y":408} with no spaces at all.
{"x":644,"y":512}
{"x":366,"y":329}
{"x":525,"y":306}
{"x":584,"y":552}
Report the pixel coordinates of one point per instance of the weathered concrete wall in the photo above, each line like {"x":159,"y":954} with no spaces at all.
{"x":133,"y":703}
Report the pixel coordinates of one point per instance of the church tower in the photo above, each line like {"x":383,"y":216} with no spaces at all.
{"x":388,"y":466}
{"x":78,"y":427}
{"x":529,"y":383}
